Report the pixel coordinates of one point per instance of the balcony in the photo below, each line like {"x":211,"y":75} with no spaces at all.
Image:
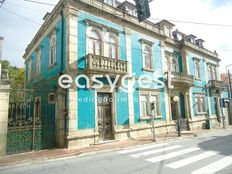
{"x":182,"y":79}
{"x":105,"y":65}
{"x":216,"y":84}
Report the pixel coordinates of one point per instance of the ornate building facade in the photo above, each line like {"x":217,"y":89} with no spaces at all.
{"x":85,"y":37}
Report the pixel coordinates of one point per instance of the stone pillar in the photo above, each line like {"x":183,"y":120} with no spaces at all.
{"x":4,"y":105}
{"x":71,"y":15}
{"x":60,"y":118}
{"x":130,"y":81}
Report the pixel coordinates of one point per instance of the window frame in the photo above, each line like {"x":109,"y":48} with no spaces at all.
{"x":197,"y":69}
{"x":95,"y":41}
{"x":200,"y":102}
{"x":29,"y":70}
{"x":107,"y":44}
{"x":177,"y":66}
{"x":52,"y":50}
{"x":149,"y":95}
{"x":38,"y":63}
{"x":149,"y":54}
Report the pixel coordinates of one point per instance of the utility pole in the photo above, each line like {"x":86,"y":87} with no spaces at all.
{"x":230,"y":96}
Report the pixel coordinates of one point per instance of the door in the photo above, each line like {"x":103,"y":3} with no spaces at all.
{"x":217,"y":109}
{"x":104,"y":116}
{"x":173,"y":109}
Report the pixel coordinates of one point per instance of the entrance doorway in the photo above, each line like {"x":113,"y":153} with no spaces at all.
{"x":173,"y":109}
{"x":216,"y":106}
{"x":104,"y":116}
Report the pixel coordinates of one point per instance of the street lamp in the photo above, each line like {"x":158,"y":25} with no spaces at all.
{"x":176,"y":99}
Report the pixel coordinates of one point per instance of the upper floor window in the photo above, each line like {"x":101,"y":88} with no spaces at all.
{"x":197,"y":69}
{"x":29,"y":70}
{"x":147,"y":57}
{"x":94,"y":43}
{"x":52,"y":59}
{"x":175,"y":65}
{"x":38,"y":64}
{"x":111,"y":47}
{"x":212,"y":72}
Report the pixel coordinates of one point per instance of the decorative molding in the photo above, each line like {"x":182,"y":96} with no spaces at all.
{"x":101,"y":26}
{"x":145,"y":41}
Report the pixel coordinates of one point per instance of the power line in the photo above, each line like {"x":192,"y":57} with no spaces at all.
{"x":25,"y":18}
{"x":171,"y":20}
{"x":43,"y":3}
{"x":20,"y":6}
{"x":195,"y":23}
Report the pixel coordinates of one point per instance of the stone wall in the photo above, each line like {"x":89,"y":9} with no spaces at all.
{"x":4,"y":104}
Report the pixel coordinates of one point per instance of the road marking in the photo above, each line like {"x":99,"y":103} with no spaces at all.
{"x":151,"y":152}
{"x":172,"y":155}
{"x":187,"y":161}
{"x":142,"y":148}
{"x":215,"y":166}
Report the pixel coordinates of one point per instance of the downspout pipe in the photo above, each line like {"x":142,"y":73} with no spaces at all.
{"x":62,"y":72}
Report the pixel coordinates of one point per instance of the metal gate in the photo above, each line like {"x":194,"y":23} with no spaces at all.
{"x":31,"y":122}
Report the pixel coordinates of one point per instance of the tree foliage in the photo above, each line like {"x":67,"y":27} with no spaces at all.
{"x":17,"y":78}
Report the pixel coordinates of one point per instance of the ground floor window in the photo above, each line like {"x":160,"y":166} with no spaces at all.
{"x":200,"y":104}
{"x":147,"y":101}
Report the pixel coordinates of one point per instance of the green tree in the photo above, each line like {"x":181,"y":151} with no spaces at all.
{"x":17,"y":78}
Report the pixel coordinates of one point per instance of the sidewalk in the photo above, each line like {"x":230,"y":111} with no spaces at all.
{"x":60,"y":154}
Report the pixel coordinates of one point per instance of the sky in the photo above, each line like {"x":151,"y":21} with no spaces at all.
{"x":18,"y":32}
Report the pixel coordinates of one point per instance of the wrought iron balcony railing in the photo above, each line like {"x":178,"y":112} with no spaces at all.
{"x":182,"y":78}
{"x":100,"y":64}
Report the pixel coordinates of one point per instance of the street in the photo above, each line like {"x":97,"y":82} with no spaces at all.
{"x":206,"y":154}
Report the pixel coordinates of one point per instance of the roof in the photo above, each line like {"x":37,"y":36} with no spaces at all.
{"x":125,"y":3}
{"x":165,"y":23}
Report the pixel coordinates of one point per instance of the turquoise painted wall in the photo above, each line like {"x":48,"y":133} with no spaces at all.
{"x":86,"y":118}
{"x":47,"y":72}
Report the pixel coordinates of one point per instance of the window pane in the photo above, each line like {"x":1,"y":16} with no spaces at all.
{"x":154,"y":99}
{"x":143,"y":105}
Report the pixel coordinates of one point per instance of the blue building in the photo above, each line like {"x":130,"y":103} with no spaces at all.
{"x":151,"y":65}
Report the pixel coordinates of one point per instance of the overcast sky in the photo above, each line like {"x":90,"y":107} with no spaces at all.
{"x":18,"y":32}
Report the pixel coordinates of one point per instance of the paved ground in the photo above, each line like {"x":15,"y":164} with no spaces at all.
{"x":205,"y":154}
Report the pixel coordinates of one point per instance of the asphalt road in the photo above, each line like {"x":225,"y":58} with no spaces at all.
{"x":206,"y":154}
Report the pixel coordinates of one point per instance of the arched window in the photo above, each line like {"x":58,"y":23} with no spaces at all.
{"x":52,"y":48}
{"x":175,"y":65}
{"x":197,"y":69}
{"x":94,"y":44}
{"x":147,"y":57}
{"x":111,"y":47}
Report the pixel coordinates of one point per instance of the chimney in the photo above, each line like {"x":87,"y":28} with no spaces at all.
{"x":46,"y":16}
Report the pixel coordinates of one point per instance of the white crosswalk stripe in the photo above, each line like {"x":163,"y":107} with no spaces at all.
{"x":142,"y":148}
{"x":190,"y":160}
{"x":172,"y":155}
{"x":164,"y":151}
{"x":152,"y":152}
{"x":215,"y":166}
